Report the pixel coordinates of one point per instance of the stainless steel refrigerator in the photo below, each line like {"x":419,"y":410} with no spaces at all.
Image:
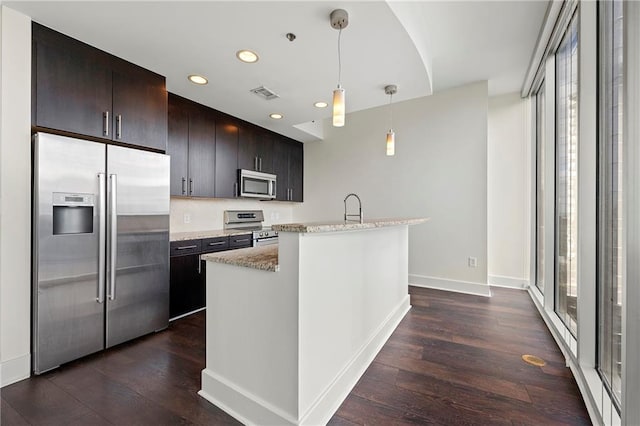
{"x":100,"y":247}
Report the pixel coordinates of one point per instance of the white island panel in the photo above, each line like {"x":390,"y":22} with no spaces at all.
{"x":252,"y":342}
{"x":352,"y":284}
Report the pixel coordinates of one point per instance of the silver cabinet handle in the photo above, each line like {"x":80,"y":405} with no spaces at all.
{"x":105,"y":123}
{"x":102,"y":250}
{"x":260,"y":164}
{"x":244,"y":240}
{"x":221,"y":243}
{"x":183,"y":188}
{"x":113,"y":237}
{"x":118,"y":126}
{"x":186,"y":247}
{"x":190,"y":186}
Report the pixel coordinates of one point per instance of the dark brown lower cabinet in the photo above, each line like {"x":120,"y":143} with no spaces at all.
{"x":187,"y":285}
{"x":188,"y":276}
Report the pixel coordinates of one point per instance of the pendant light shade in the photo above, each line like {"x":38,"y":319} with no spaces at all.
{"x":339,"y":19}
{"x":338,"y":107}
{"x":391,"y":142}
{"x":391,"y":90}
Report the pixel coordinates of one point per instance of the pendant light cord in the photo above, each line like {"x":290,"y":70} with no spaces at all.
{"x":339,"y":60}
{"x":391,"y":109}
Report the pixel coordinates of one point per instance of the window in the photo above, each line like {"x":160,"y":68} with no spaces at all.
{"x":540,"y":128}
{"x":610,"y":169}
{"x":566,"y":229}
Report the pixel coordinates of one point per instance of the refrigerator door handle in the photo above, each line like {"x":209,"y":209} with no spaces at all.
{"x":113,"y":237}
{"x":102,"y":250}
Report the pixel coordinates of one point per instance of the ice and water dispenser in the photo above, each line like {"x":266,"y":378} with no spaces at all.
{"x":72,"y":213}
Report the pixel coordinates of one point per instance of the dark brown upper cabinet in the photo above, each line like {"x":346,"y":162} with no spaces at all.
{"x":226,"y":158}
{"x":82,"y":90}
{"x":178,"y":144}
{"x":207,"y":147}
{"x":255,"y":149}
{"x":192,"y":147}
{"x":288,"y":167}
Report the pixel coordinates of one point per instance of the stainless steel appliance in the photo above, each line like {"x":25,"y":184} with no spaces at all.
{"x":100,"y":247}
{"x":257,"y":184}
{"x":251,"y":220}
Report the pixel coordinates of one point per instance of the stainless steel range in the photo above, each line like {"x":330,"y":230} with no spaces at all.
{"x":251,"y":220}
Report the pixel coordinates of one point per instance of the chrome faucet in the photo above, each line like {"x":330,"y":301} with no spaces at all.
{"x":359,"y":215}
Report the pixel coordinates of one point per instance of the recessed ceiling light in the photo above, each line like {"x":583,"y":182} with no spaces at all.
{"x":320,"y":105}
{"x":198,"y":79}
{"x":247,"y":56}
{"x":276,"y":116}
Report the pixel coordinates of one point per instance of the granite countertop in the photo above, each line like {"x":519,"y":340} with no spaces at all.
{"x":198,"y":235}
{"x":340,"y":225}
{"x":264,"y":258}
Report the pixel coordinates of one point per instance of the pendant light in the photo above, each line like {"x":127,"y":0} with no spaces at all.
{"x":391,"y":136}
{"x":339,"y":19}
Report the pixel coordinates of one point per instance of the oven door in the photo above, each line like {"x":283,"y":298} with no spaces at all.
{"x":257,"y":184}
{"x":259,"y":242}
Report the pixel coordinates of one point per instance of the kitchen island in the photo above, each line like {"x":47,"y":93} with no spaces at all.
{"x":292,"y":327}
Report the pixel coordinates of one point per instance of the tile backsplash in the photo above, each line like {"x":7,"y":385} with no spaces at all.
{"x":192,"y":214}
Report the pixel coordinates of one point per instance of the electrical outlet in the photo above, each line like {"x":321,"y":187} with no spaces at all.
{"x":473,"y":262}
{"x":275,"y":215}
{"x":187,"y":218}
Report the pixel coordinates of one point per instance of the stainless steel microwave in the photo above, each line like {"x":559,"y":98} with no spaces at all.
{"x":257,"y":184}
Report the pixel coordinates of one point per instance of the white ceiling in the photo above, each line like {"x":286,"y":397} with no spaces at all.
{"x":421,"y":46}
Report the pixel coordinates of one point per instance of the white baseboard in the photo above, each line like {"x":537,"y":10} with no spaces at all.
{"x":589,"y":382}
{"x":241,"y":404}
{"x":249,"y":409}
{"x":468,"y":287}
{"x":15,"y":369}
{"x":508,"y":282}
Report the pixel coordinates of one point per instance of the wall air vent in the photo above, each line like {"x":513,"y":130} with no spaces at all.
{"x":264,"y":92}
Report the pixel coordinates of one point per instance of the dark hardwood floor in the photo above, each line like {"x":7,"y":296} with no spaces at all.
{"x":454,"y":359}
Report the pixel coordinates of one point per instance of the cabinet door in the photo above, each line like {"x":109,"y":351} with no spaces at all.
{"x":178,"y":145}
{"x":281,"y":169}
{"x":247,"y":148}
{"x":139,"y":107}
{"x":202,"y":153}
{"x":186,"y":285}
{"x":264,"y":151}
{"x":226,"y":159}
{"x":72,"y":85}
{"x":296,"y":171}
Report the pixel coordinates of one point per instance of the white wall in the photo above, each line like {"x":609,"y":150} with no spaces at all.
{"x":15,"y":196}
{"x":206,"y":214}
{"x":439,"y":171}
{"x":508,"y":202}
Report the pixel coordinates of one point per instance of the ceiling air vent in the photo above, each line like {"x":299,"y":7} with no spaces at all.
{"x":264,"y":92}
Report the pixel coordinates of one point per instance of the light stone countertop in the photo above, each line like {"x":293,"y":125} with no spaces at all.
{"x":340,"y":225}
{"x":198,"y":235}
{"x":264,"y":258}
